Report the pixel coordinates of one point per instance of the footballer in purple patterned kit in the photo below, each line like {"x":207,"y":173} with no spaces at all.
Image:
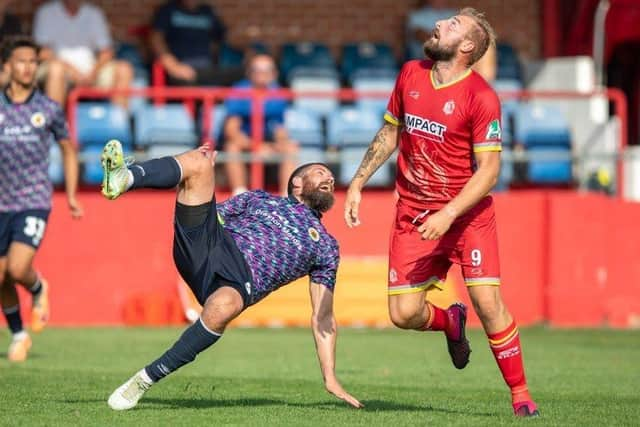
{"x":29,"y":123}
{"x":233,"y":254}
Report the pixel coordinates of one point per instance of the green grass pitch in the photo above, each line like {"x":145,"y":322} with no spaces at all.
{"x":270,"y":377}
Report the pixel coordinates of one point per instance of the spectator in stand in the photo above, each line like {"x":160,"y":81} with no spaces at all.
{"x":186,"y":38}
{"x":10,"y":25}
{"x":421,"y":23}
{"x":77,"y":49}
{"x":262,"y":74}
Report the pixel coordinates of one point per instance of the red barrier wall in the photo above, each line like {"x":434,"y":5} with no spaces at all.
{"x":566,"y":258}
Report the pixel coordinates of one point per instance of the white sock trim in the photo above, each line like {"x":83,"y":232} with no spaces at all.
{"x":129,"y":180}
{"x":11,"y":310}
{"x":207,"y":329}
{"x":145,"y":377}
{"x":179,"y":167}
{"x":19,"y":336}
{"x":38,"y":282}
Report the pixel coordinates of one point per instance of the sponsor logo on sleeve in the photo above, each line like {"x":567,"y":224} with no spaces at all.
{"x":493,"y":130}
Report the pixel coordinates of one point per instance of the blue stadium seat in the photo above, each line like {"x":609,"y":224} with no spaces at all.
{"x":99,"y":122}
{"x":56,"y":171}
{"x":509,"y":66}
{"x":315,"y":80}
{"x":506,"y":170}
{"x":305,"y":127}
{"x":358,"y":56}
{"x":545,"y":134}
{"x":367,"y":80}
{"x":352,"y":129}
{"x":229,"y":56}
{"x":219,"y":113}
{"x":165,"y":124}
{"x":92,"y":169}
{"x":304,"y":54}
{"x":130,"y":53}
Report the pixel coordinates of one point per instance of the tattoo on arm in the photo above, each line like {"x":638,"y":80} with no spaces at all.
{"x":378,"y":152}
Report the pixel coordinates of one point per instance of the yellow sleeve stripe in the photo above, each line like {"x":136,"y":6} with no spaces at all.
{"x":485,"y":148}
{"x":391,"y":119}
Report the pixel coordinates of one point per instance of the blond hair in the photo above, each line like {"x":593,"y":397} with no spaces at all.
{"x":482,"y":35}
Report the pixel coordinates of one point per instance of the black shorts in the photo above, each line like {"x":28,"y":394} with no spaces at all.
{"x":26,"y":226}
{"x":206,"y":255}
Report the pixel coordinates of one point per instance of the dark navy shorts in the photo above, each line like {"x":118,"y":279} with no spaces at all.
{"x":26,"y":226}
{"x":206,"y":255}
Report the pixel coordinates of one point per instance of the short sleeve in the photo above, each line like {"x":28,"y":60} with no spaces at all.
{"x":486,"y":126}
{"x":395,"y":107}
{"x":102,"y":36}
{"x":238,"y":106}
{"x":161,"y":20}
{"x":325,"y":272}
{"x":59,"y":124}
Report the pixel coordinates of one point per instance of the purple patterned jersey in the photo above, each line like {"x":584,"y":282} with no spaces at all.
{"x":281,"y":240}
{"x":26,"y":133}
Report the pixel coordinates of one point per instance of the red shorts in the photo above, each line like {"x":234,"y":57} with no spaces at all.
{"x":472,"y":242}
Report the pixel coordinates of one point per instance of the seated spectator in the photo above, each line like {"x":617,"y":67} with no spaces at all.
{"x":422,"y":22}
{"x":262,"y":74}
{"x":77,"y":49}
{"x":185,"y":38}
{"x":10,"y":25}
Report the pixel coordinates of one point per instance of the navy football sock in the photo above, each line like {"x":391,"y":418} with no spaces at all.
{"x":164,"y":172}
{"x":12,"y":314}
{"x":36,"y":288}
{"x":195,"y":339}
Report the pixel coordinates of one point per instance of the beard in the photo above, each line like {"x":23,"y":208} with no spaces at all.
{"x":317,"y":199}
{"x":438,"y":53}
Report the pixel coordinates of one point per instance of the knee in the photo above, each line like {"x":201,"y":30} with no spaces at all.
{"x":221,"y":310}
{"x":55,"y":70}
{"x":405,"y":317}
{"x":197,"y":164}
{"x":124,"y":71}
{"x":17,"y":271}
{"x":489,"y":308}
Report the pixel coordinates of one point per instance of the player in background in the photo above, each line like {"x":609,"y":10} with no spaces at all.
{"x":235,"y":253}
{"x":446,"y":121}
{"x":29,"y":122}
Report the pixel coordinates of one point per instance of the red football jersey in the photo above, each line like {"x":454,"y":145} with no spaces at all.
{"x":442,"y":126}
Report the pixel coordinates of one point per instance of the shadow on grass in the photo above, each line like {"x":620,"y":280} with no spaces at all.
{"x":370,"y":405}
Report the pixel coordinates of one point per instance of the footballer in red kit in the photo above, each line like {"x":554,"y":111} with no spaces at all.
{"x":445,"y":121}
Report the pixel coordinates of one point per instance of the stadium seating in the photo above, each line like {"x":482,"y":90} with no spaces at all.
{"x":91,"y":169}
{"x":306,"y":55}
{"x":165,"y":124}
{"x":351,"y":130}
{"x":305,"y":127}
{"x":358,"y":56}
{"x":219,"y":114}
{"x":509,"y":66}
{"x":100,"y":122}
{"x":545,"y":134}
{"x":372,"y":80}
{"x":319,"y":80}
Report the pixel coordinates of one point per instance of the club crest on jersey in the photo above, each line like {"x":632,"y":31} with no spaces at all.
{"x":449,"y":106}
{"x":38,"y":120}
{"x":424,"y":128}
{"x":493,"y":130}
{"x":393,"y":275}
{"x":313,"y":233}
{"x":414,"y":94}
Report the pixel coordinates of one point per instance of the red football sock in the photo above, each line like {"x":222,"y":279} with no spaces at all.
{"x":438,"y":319}
{"x":506,"y":349}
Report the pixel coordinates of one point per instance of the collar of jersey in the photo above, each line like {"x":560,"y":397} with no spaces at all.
{"x":5,"y":93}
{"x":437,"y":86}
{"x":316,"y":212}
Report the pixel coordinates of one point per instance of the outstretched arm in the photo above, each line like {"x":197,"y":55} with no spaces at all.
{"x":325,"y":334}
{"x":384,"y":143}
